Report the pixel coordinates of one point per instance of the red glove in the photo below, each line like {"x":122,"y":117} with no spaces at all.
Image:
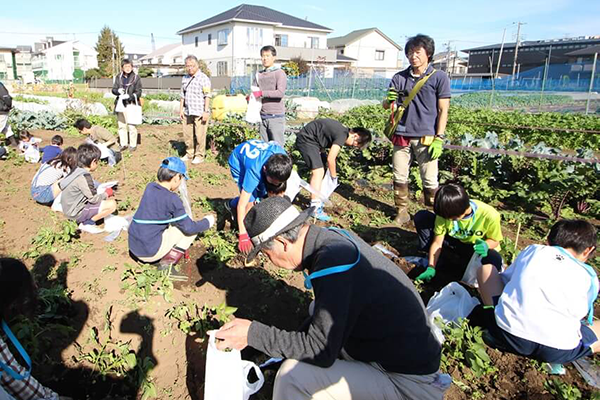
{"x":109,"y":192}
{"x":257,"y":94}
{"x":245,"y":244}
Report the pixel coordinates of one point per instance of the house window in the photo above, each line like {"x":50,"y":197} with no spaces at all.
{"x":314,"y":43}
{"x":222,"y":68}
{"x":209,"y":38}
{"x":379,"y":55}
{"x":254,"y":37}
{"x":160,"y":60}
{"x":222,"y":37}
{"x":281,"y":40}
{"x":58,"y":57}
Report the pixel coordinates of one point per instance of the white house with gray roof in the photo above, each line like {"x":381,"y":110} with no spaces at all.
{"x":374,"y":52}
{"x":230,"y":42}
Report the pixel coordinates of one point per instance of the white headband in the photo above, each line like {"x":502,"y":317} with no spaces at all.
{"x":284,"y":219}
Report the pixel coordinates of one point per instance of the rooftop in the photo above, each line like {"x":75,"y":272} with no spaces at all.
{"x":248,"y":12}
{"x":341,"y":41}
{"x":578,"y":40}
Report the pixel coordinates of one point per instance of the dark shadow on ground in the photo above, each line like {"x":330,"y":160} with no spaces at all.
{"x":63,"y":322}
{"x":350,"y":193}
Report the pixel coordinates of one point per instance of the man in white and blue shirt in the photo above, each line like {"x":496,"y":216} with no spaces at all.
{"x":543,"y":302}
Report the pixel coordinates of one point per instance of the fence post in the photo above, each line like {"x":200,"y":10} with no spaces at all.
{"x":587,"y":104}
{"x":543,"y":83}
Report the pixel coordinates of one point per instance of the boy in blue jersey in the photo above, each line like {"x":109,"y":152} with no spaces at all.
{"x":259,"y":168}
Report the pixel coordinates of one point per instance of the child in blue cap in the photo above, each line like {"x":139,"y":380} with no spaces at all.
{"x":161,"y":229}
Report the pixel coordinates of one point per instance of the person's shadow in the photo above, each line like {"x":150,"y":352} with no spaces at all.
{"x":63,"y":322}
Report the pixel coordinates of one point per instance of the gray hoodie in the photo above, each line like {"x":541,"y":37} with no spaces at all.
{"x":78,"y":190}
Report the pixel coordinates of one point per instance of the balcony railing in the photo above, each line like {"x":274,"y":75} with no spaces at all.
{"x":315,"y":55}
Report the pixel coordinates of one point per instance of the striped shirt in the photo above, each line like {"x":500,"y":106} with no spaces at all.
{"x":24,"y":389}
{"x":47,"y":175}
{"x":194,"y":89}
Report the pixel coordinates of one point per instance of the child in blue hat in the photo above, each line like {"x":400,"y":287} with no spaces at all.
{"x":161,"y":229}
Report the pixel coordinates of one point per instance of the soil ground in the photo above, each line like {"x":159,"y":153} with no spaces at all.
{"x":92,"y":270}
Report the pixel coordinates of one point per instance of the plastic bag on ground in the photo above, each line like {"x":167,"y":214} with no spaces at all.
{"x":32,"y":154}
{"x":254,"y":107}
{"x":451,"y":303}
{"x":226,"y":375}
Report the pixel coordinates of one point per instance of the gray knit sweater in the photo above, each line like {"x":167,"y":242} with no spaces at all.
{"x":272,"y":83}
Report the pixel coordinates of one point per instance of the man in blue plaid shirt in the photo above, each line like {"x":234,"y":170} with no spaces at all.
{"x":194,"y":110}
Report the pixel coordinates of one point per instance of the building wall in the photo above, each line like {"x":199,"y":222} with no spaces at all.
{"x":365,"y":51}
{"x":529,"y":57}
{"x":59,"y":63}
{"x":6,"y":65}
{"x":241,"y":54}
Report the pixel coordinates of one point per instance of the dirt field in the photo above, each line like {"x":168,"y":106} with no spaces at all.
{"x":92,"y":270}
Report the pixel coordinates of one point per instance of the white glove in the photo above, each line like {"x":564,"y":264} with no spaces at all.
{"x":211,"y":220}
{"x":124,"y":96}
{"x":121,"y":91}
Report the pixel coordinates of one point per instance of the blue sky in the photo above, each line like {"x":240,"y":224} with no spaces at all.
{"x":467,"y":23}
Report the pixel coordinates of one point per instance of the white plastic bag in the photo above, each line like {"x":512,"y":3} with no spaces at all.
{"x":226,"y":375}
{"x":254,"y":107}
{"x":32,"y":154}
{"x":293,"y":185}
{"x":56,"y":205}
{"x":470,"y":275}
{"x":133,"y":113}
{"x":451,"y":303}
{"x":119,"y":107}
{"x":328,"y":186}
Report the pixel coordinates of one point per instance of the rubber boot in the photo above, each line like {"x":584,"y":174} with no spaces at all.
{"x":429,"y":196}
{"x":401,"y":200}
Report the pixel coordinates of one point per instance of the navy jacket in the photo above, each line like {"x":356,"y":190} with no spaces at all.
{"x":159,"y":204}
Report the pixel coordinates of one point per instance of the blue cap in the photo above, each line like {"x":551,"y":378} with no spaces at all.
{"x":175,"y":164}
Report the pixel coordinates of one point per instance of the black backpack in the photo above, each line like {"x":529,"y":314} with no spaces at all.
{"x":5,"y":99}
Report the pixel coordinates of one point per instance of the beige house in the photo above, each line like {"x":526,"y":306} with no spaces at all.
{"x":374,"y":52}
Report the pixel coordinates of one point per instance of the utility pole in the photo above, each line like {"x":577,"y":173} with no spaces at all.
{"x":448,"y":48}
{"x":500,"y":56}
{"x":517,"y":46}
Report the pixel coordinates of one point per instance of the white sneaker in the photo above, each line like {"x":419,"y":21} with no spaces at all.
{"x":184,"y":158}
{"x":197,"y":160}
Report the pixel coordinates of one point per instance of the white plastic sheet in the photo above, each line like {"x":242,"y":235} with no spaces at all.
{"x":254,"y":107}
{"x":226,"y":375}
{"x":451,"y":303}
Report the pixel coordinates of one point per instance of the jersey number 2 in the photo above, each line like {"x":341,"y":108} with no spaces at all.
{"x":252,"y":148}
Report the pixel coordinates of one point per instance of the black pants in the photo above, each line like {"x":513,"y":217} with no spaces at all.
{"x":424,"y":222}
